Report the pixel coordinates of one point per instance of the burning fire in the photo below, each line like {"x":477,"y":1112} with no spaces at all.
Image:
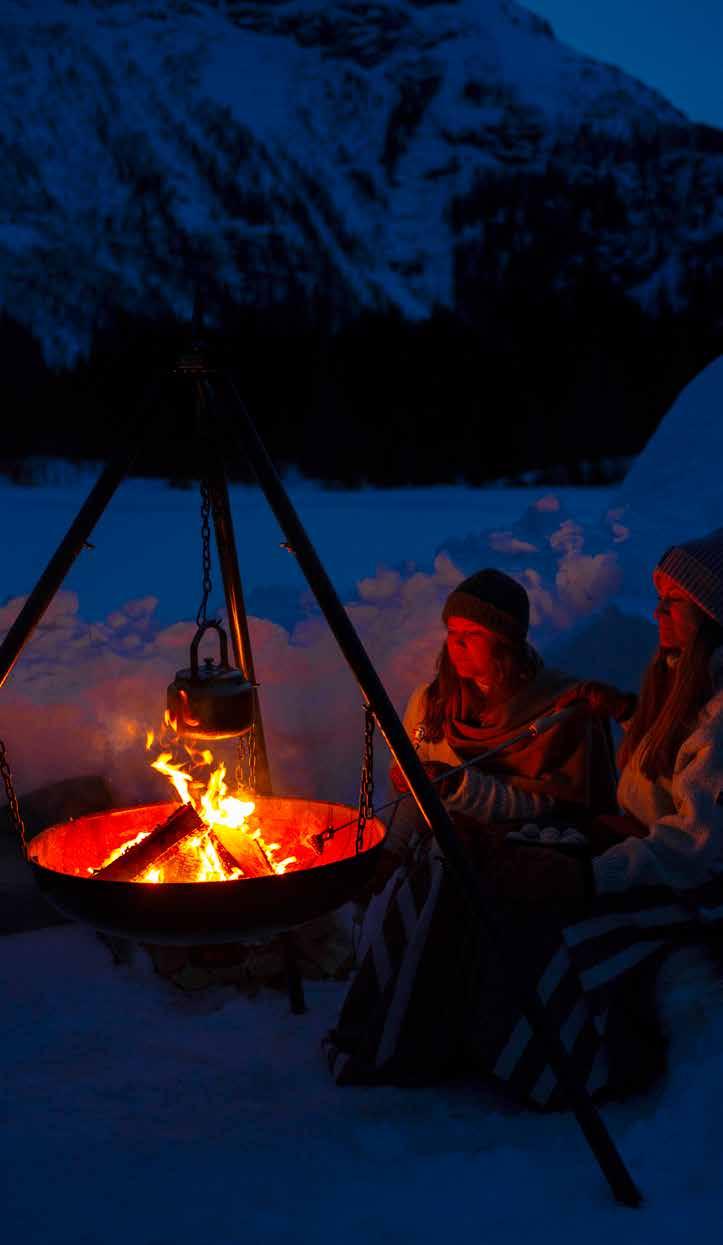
{"x":203,"y":858}
{"x":216,"y":808}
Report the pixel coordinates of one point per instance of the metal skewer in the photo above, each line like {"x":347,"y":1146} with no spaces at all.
{"x":538,"y":727}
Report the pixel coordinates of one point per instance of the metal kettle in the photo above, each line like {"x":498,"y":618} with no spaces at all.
{"x":212,"y":701}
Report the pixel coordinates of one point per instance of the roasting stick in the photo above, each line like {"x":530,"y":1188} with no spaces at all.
{"x":538,"y":727}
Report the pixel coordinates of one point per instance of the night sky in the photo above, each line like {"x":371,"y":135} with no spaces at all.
{"x":672,"y":45}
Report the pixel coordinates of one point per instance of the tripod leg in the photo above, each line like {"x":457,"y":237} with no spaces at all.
{"x":73,"y":542}
{"x":435,"y":814}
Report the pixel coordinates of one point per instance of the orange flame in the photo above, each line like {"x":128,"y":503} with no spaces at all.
{"x":175,"y":774}
{"x":120,"y":851}
{"x":217,"y":808}
{"x":209,"y":866}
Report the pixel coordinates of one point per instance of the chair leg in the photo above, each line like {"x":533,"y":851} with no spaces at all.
{"x":293,"y":975}
{"x":121,"y":949}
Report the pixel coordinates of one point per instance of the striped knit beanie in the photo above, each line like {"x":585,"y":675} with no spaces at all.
{"x":494,"y":600}
{"x":697,"y":568}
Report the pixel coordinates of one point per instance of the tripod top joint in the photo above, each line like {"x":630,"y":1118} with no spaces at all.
{"x":194,"y":363}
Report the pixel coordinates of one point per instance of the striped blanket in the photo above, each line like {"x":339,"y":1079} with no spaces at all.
{"x":433,"y":996}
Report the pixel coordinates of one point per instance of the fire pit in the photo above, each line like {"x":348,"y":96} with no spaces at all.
{"x":64,"y":859}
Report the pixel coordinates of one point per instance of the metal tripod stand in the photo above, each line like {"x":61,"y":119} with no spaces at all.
{"x":226,"y":411}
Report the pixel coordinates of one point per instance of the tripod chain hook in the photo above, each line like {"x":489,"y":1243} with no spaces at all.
{"x":246,"y":761}
{"x":366,"y":793}
{"x":13,"y":805}
{"x":205,"y":552}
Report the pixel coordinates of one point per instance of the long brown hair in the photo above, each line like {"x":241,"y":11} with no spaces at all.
{"x":444,"y":694}
{"x":672,"y":695}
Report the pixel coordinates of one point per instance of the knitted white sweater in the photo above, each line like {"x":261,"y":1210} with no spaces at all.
{"x":684,"y":847}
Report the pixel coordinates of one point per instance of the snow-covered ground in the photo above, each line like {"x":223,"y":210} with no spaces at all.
{"x":140,"y":1114}
{"x":136,"y":1111}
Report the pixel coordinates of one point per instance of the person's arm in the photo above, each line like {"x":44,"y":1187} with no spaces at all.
{"x":602,"y":700}
{"x":488,"y":799}
{"x":683,"y":849}
{"x":477,"y":795}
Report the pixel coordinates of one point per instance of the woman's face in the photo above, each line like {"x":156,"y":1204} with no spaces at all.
{"x":472,"y":650}
{"x":678,"y":617}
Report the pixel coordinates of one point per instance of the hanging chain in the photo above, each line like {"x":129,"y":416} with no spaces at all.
{"x":241,"y":763}
{"x":246,"y":761}
{"x":13,"y":805}
{"x":366,"y":813}
{"x":205,"y":552}
{"x":366,"y":792}
{"x":252,"y":758}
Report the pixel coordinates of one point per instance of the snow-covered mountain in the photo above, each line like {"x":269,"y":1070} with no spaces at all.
{"x":399,"y":152}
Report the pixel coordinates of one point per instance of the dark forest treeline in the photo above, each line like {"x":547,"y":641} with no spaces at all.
{"x":535,"y":382}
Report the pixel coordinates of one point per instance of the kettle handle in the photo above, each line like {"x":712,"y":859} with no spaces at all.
{"x":223,"y":641}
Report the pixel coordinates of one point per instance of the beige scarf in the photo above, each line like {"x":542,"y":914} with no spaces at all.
{"x":572,"y":762}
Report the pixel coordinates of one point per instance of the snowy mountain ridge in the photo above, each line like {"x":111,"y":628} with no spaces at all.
{"x":399,"y":154}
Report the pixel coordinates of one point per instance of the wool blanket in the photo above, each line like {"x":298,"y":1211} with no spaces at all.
{"x":437,"y":995}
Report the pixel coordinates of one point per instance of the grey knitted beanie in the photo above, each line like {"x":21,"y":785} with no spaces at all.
{"x":697,"y":568}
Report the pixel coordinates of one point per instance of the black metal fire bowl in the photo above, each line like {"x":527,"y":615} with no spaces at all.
{"x":184,"y":913}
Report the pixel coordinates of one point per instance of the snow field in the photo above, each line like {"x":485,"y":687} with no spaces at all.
{"x":142,"y":1113}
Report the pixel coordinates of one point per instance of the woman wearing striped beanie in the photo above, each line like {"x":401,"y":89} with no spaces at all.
{"x":657,"y":893}
{"x":671,"y":758}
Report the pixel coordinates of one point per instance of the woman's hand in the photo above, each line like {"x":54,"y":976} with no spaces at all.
{"x":602,"y":699}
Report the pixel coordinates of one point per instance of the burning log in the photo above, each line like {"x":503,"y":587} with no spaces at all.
{"x":184,"y":823}
{"x":236,"y":852}
{"x":214,"y":844}
{"x":244,"y":849}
